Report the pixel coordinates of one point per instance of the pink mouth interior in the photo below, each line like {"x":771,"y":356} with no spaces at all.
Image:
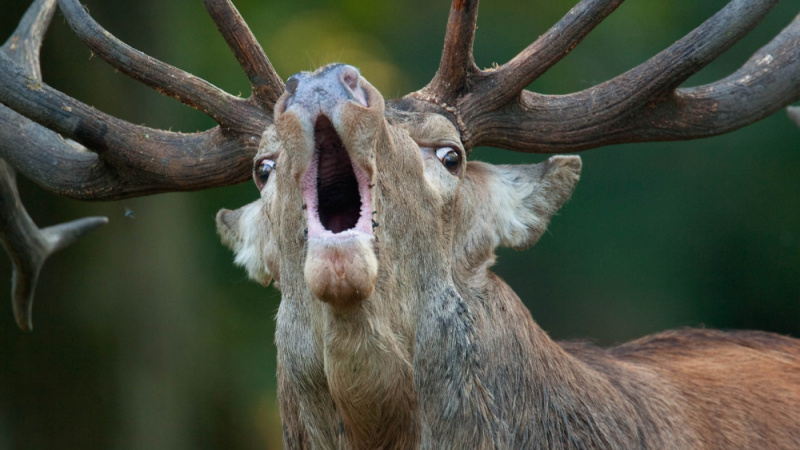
{"x":336,"y":191}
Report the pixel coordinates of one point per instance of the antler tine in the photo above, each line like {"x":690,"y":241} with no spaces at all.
{"x":687,"y":56}
{"x":24,"y":44}
{"x":457,"y":63}
{"x":512,"y":77}
{"x":26,"y":244}
{"x":266,"y":83}
{"x":227,"y":110}
{"x":794,"y":114}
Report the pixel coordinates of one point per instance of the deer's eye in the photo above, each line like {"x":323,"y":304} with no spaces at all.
{"x":261,"y":171}
{"x":450,"y":158}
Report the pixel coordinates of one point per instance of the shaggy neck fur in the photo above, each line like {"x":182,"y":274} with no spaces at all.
{"x":508,"y":385}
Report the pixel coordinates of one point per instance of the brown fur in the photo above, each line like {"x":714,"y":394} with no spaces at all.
{"x":443,"y":354}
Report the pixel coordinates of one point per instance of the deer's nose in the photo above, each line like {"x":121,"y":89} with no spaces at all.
{"x":325,"y":87}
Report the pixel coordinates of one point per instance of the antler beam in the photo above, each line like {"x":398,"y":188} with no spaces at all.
{"x":643,"y":104}
{"x":267,"y":85}
{"x":146,"y":160}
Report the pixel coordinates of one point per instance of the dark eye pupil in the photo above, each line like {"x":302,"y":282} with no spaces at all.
{"x":263,"y":169}
{"x":450,"y":160}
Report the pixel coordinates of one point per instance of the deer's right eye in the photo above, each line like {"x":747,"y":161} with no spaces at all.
{"x":449,"y":158}
{"x":261,"y":171}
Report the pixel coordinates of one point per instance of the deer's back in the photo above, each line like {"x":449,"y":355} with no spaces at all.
{"x":736,"y":390}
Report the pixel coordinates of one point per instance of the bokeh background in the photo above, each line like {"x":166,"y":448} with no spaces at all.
{"x":147,"y":337}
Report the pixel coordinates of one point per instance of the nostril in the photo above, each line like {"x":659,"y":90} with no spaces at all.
{"x":291,"y":87}
{"x":291,"y":84}
{"x":350,"y":78}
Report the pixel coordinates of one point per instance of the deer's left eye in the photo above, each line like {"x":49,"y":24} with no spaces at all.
{"x":450,"y":158}
{"x":261,"y":171}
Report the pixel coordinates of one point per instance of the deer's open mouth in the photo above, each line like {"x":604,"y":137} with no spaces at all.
{"x":336,"y":191}
{"x":341,"y":266}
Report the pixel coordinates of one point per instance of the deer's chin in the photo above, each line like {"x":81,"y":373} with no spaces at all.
{"x":342,"y":271}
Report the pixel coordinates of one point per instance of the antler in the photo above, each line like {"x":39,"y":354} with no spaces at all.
{"x":74,"y":150}
{"x":493,"y":108}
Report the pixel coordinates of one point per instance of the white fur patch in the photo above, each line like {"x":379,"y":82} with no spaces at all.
{"x":522,"y":199}
{"x":519,"y":206}
{"x":250,"y":238}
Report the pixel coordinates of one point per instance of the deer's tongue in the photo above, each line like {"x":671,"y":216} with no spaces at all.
{"x":339,"y":201}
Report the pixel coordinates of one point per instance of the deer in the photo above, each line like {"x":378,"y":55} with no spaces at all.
{"x":392,"y":330}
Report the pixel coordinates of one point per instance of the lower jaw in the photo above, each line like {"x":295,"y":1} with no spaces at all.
{"x":341,"y":271}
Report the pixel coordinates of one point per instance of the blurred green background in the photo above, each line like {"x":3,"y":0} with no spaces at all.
{"x":147,"y":337}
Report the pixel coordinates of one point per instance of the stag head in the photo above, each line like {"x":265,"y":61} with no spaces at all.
{"x":357,"y":194}
{"x":368,"y":215}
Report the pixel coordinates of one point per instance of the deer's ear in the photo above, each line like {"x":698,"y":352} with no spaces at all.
{"x":247,"y":232}
{"x":520,"y":200}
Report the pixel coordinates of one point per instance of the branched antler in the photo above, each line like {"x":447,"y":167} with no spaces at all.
{"x":227,"y":110}
{"x":128,"y":160}
{"x":644,"y":104}
{"x":25,"y":243}
{"x":74,"y":150}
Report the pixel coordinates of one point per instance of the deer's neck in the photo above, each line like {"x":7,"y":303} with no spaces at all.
{"x":476,"y":370}
{"x":490,"y":374}
{"x":370,"y":377}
